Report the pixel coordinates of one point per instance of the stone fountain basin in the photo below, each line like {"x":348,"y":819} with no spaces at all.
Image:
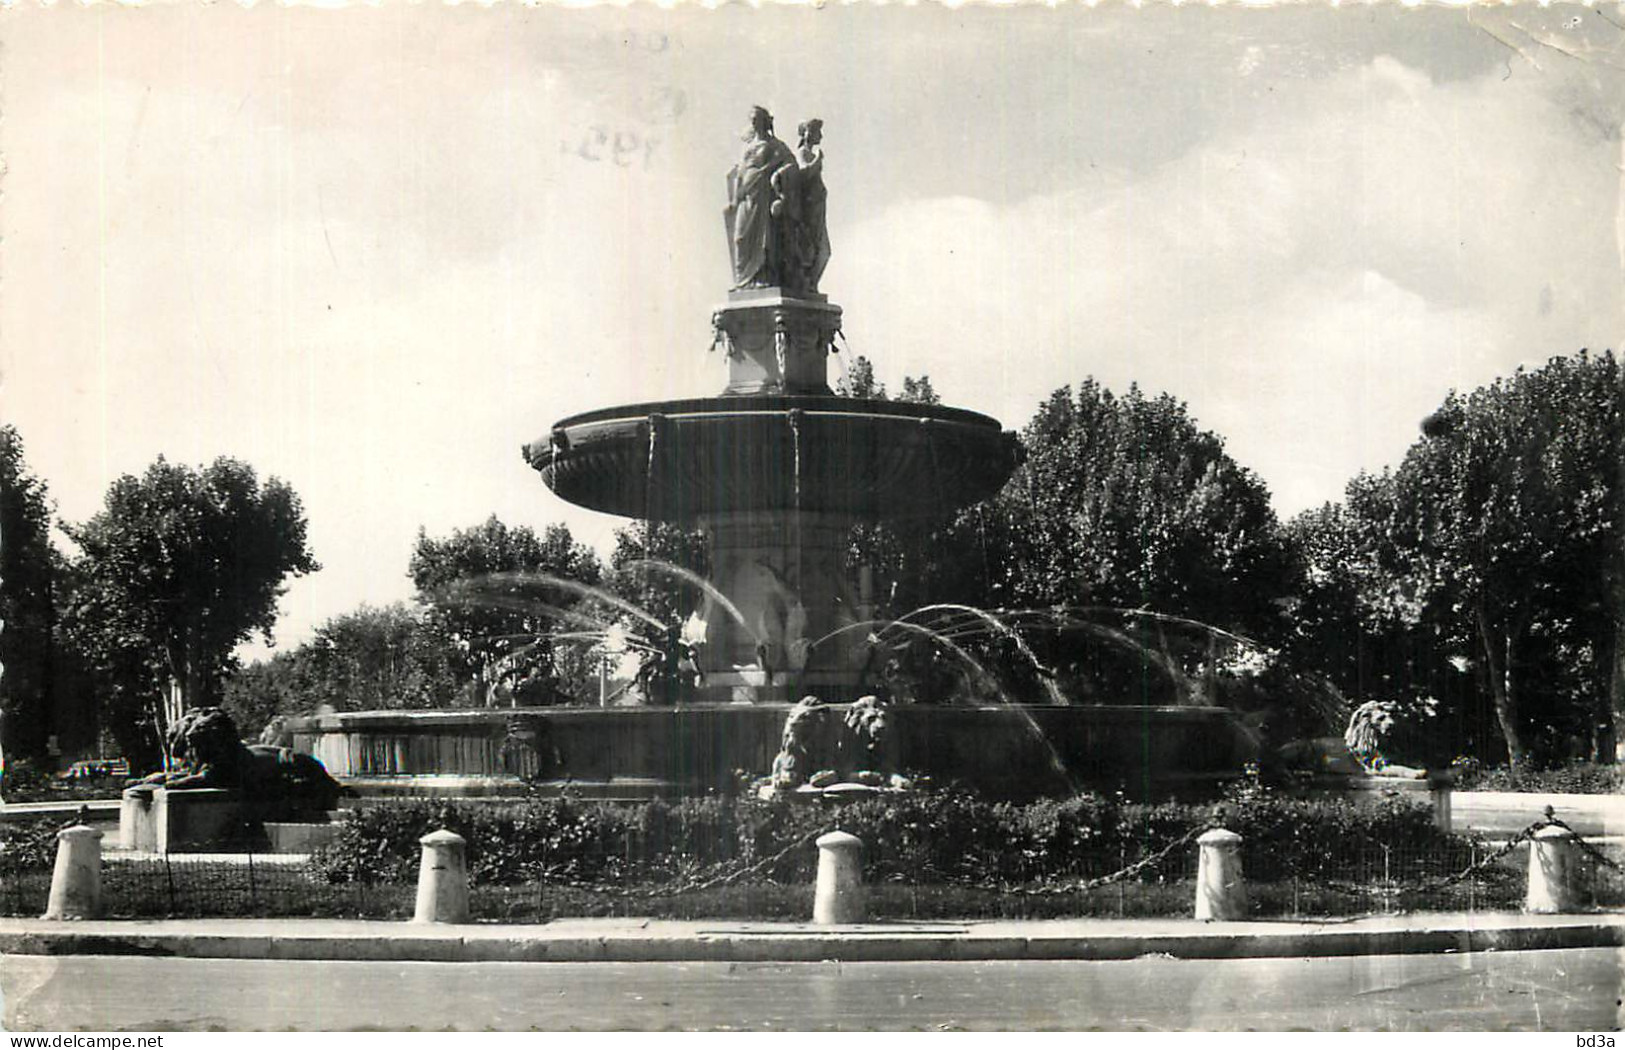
{"x":863,"y":459}
{"x":1004,"y":751}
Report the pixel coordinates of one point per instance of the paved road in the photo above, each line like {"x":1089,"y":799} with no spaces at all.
{"x":1564,"y":990}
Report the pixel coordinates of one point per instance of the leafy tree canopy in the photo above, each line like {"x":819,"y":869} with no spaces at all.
{"x":1124,"y":501}
{"x":649,"y":564}
{"x":26,"y":603}
{"x":1504,"y":529}
{"x":374,"y":658}
{"x":499,"y":595}
{"x":178,"y":569}
{"x":859,"y":380}
{"x":1488,"y":569}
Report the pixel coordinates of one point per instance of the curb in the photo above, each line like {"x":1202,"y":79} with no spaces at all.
{"x":407,"y":943}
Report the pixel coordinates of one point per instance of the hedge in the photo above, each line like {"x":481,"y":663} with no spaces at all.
{"x":926,"y":838}
{"x":1573,"y":778}
{"x":29,"y":844}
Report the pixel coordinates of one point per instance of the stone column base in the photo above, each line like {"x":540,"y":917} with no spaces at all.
{"x":168,"y":820}
{"x":776,"y":343}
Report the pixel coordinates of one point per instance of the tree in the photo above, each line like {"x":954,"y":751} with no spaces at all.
{"x":1341,"y":607}
{"x":379,"y":659}
{"x":256,"y":693}
{"x":1123,"y":507}
{"x":180,"y":568}
{"x":501,"y":596}
{"x":648,"y":565}
{"x":1359,"y":622}
{"x":919,"y":391}
{"x":1149,"y":545}
{"x":27,"y":615}
{"x":1509,"y":532}
{"x":860,"y":381}
{"x":1125,"y":502}
{"x":374,"y":658}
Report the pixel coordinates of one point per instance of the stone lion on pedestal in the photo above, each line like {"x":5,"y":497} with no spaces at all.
{"x":279,"y":782}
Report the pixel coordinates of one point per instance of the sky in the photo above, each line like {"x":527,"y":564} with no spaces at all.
{"x":374,"y":250}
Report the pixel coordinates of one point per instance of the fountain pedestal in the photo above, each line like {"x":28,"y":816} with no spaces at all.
{"x":785,"y":574}
{"x":776,"y":343}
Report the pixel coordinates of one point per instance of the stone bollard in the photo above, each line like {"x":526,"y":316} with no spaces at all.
{"x":135,"y":819}
{"x":839,"y":896}
{"x":1221,"y":896}
{"x":76,"y":881}
{"x":1440,"y":783}
{"x":1551,"y":872}
{"x":442,"y":879}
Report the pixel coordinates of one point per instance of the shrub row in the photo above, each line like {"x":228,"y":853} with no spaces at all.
{"x":927,"y":838}
{"x":26,"y":781}
{"x":28,"y":844}
{"x":1574,"y":778}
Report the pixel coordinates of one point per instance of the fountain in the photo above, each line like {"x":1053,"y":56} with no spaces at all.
{"x":775,"y":471}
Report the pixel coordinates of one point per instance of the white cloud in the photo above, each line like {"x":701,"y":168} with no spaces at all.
{"x":1312,"y":278}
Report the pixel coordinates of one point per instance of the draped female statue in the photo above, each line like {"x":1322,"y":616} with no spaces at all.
{"x":814,"y":240}
{"x":764,"y":209}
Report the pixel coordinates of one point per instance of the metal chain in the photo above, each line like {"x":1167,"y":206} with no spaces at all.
{"x":1148,"y":861}
{"x":1082,"y":886}
{"x":1085,"y":885}
{"x":1597,"y":854}
{"x":1550,"y":820}
{"x":1436,"y":884}
{"x":704,"y":884}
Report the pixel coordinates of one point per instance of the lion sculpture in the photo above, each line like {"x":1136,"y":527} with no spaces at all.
{"x":1384,"y":738}
{"x":281,"y":783}
{"x":820,"y":750}
{"x":1378,"y":728}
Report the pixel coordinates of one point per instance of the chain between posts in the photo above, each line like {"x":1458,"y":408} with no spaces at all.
{"x":1082,"y":886}
{"x":1551,"y":821}
{"x":710,"y":883}
{"x":1141,"y":865}
{"x":1065,"y":888}
{"x":1440,"y":883}
{"x":1085,"y":885}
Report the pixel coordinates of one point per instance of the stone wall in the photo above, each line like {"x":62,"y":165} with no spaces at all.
{"x":1017,"y":751}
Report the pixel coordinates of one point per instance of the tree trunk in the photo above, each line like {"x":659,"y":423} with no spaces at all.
{"x":1498,"y":655}
{"x":174,"y":702}
{"x":1609,"y":743}
{"x":192,"y":673}
{"x":177,"y":688}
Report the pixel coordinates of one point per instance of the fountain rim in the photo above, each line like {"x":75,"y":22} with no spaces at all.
{"x":501,"y":715}
{"x":595,"y":448}
{"x":775,"y":404}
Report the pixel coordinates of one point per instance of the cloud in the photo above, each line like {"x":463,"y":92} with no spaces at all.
{"x":1312,"y":277}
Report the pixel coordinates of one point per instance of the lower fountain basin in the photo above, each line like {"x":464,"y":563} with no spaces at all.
{"x":1013,"y":752}
{"x":862,"y":459}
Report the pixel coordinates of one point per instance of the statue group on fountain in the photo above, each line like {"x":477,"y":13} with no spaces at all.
{"x":777,"y":231}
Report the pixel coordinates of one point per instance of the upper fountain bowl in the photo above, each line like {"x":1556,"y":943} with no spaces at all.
{"x":683,"y":461}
